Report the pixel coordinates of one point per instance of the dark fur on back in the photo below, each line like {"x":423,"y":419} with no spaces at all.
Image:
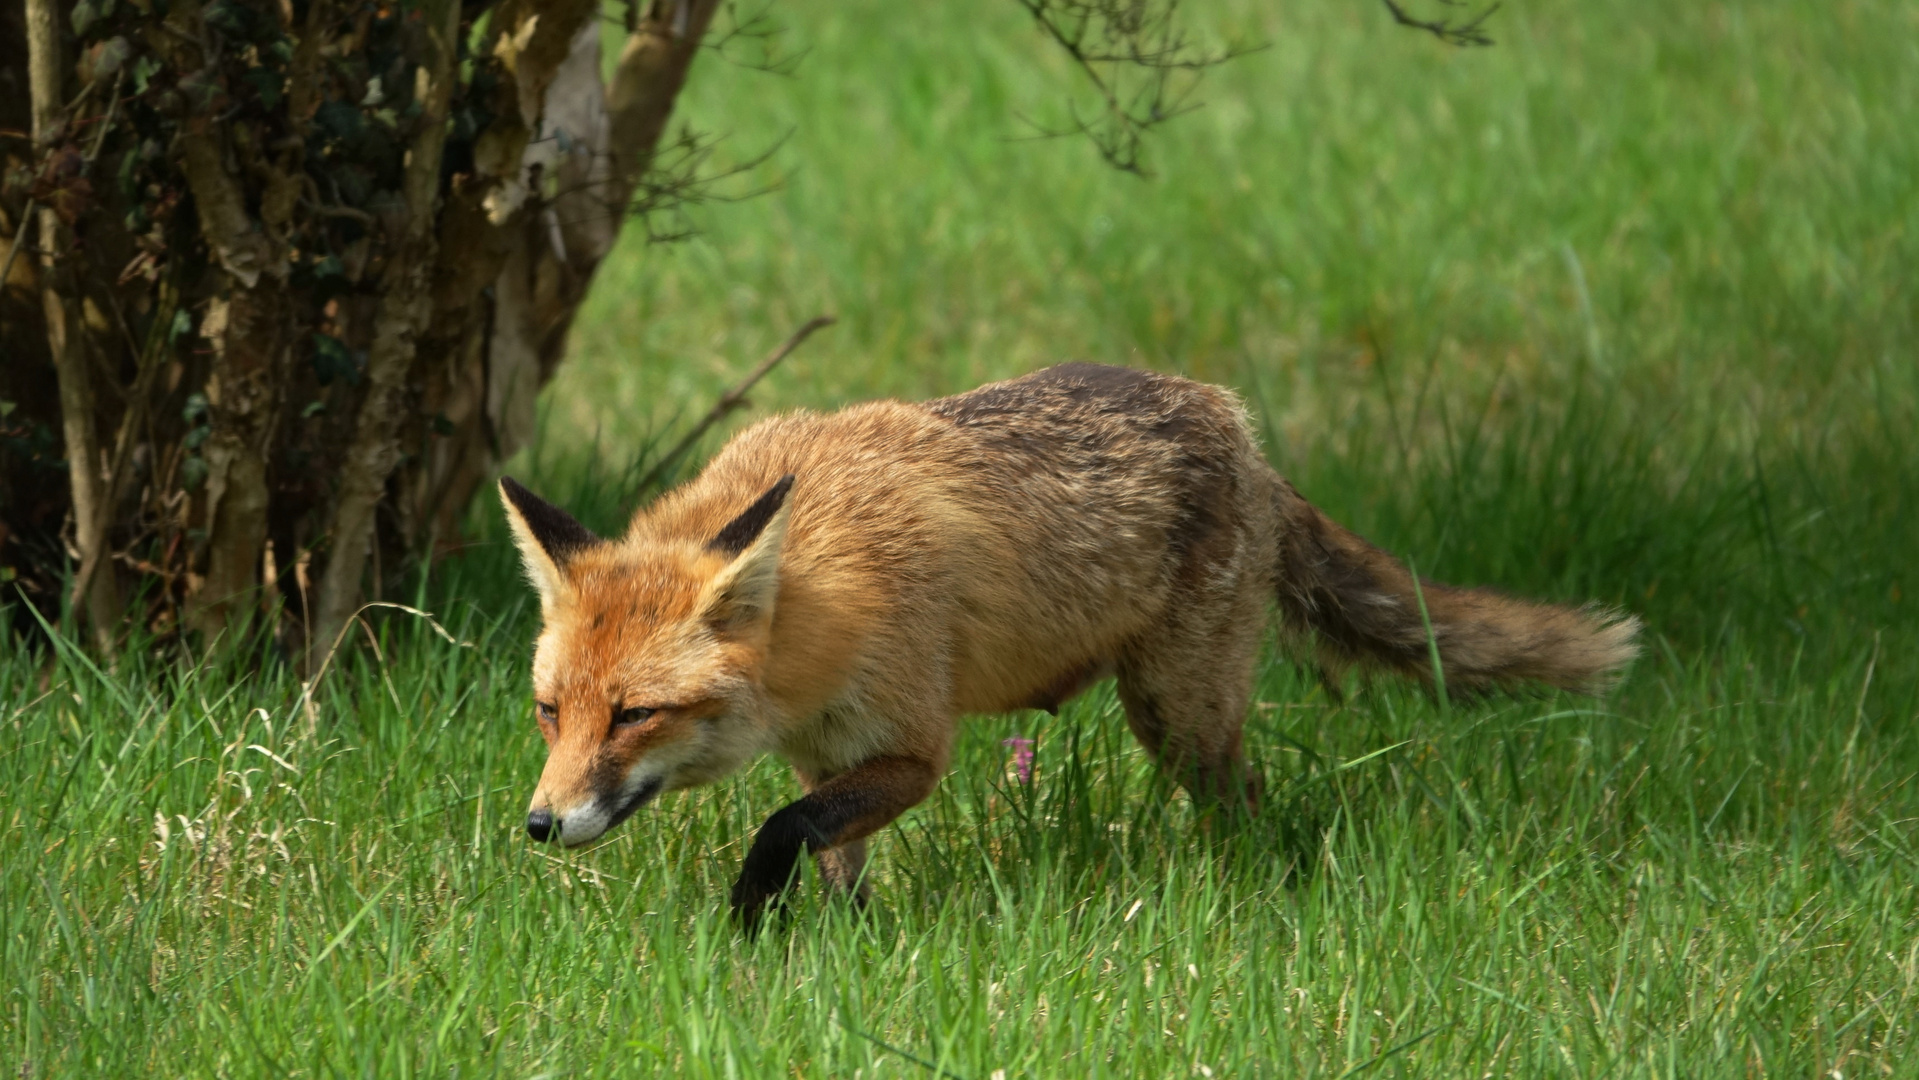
{"x":1357,"y":601}
{"x":1129,"y":437}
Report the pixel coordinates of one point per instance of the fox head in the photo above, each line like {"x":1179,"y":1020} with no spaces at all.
{"x":647,"y":674}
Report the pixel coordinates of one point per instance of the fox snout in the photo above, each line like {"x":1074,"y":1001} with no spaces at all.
{"x":588,"y":819}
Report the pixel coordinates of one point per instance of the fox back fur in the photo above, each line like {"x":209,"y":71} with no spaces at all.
{"x":840,"y":589}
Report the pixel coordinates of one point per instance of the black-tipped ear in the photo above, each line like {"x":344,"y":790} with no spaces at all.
{"x":552,"y":528}
{"x":740,"y":533}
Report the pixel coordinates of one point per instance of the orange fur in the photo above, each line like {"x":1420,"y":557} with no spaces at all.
{"x":996,"y":550}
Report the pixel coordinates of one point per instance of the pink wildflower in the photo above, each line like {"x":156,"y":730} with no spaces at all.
{"x":1022,"y":757}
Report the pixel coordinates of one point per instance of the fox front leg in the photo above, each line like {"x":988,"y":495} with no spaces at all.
{"x":847,"y":808}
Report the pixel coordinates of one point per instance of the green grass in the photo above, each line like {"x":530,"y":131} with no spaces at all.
{"x":1715,"y":888}
{"x":1620,"y":309}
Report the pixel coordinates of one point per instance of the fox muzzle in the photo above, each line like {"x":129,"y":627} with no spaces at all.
{"x":592,"y":818}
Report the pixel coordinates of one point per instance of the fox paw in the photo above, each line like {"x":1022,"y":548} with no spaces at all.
{"x":771,"y":864}
{"x":762,"y":884}
{"x":754,"y":902}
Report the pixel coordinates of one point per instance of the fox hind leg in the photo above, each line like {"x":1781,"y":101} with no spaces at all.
{"x":1186,"y":685}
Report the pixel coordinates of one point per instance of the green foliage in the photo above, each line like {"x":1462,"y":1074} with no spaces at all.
{"x":1618,"y":309}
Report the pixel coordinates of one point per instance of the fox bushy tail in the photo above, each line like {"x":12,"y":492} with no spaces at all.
{"x":1361,"y":606}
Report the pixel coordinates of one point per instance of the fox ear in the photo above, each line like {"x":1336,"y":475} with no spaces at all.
{"x":740,"y":533}
{"x":547,"y":536}
{"x":743,"y":593}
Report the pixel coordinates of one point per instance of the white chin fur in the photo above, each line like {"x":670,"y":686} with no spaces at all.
{"x":583,"y":824}
{"x":588,"y":821}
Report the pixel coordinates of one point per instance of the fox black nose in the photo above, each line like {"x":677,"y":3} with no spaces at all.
{"x":539,"y":824}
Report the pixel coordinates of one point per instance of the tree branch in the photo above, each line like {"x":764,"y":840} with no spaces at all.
{"x":138,"y":401}
{"x":1107,"y":40}
{"x":1469,"y":32}
{"x":733,"y":398}
{"x":639,"y":101}
{"x":91,"y":535}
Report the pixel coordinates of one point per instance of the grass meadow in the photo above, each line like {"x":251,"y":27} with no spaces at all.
{"x":1623,"y":308}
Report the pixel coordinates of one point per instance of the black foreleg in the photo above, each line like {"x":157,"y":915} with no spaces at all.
{"x":849,"y":807}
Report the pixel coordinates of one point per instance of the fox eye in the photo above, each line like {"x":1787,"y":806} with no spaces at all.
{"x":629,"y":717}
{"x":548,"y":712}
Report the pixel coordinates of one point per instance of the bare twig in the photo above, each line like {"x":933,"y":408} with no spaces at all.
{"x":19,"y":232}
{"x":675,"y":181}
{"x":734,"y":398}
{"x":1106,"y":39}
{"x":758,"y":27}
{"x":1143,"y":69}
{"x":1470,"y":32}
{"x":106,"y":125}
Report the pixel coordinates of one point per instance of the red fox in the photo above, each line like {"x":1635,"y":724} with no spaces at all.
{"x":840,"y":589}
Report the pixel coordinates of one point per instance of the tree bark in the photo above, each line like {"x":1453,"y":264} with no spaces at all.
{"x":64,"y":341}
{"x":494,"y":225}
{"x":405,"y":312}
{"x":247,"y":328}
{"x":539,"y":263}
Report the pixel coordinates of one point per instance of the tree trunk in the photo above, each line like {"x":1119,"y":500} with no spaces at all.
{"x":65,"y":342}
{"x":404,"y":313}
{"x":541,"y":262}
{"x":340,"y":248}
{"x":247,"y":327}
